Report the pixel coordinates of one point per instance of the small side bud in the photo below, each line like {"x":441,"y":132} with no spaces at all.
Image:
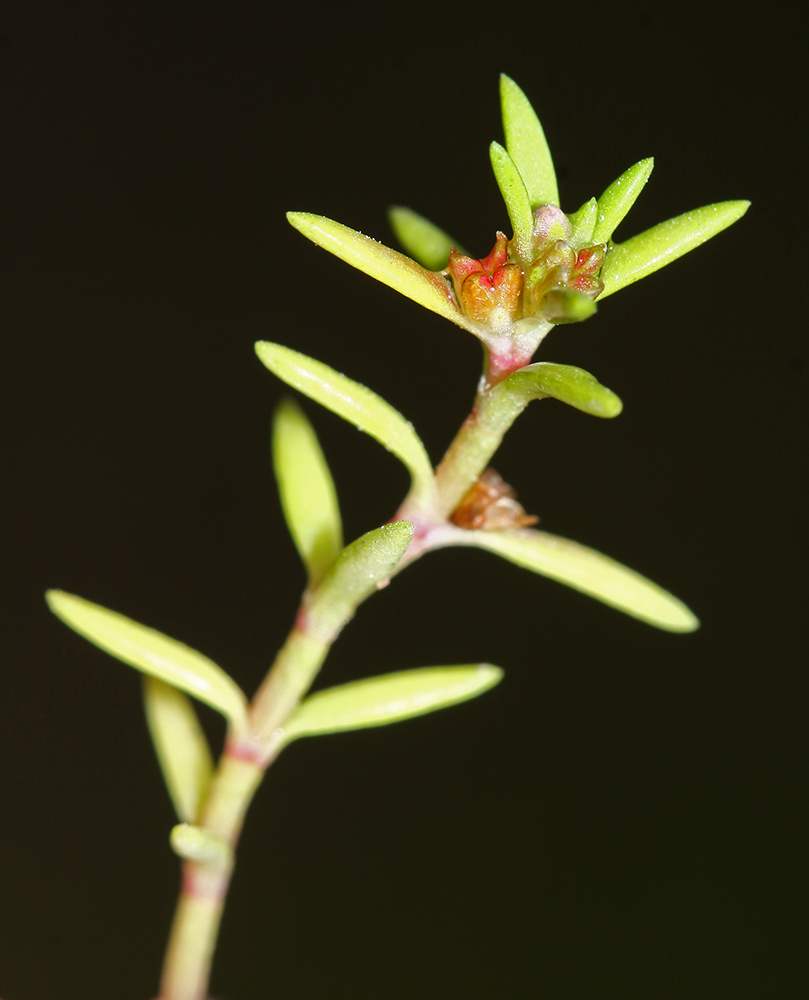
{"x":196,"y":844}
{"x":491,"y":505}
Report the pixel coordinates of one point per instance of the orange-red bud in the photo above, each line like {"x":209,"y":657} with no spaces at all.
{"x":482,"y":286}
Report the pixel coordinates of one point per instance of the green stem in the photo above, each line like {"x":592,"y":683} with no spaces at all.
{"x":323,"y":613}
{"x":192,"y":940}
{"x":495,"y":410}
{"x":293,"y":672}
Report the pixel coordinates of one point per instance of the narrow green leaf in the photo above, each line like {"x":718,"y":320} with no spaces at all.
{"x":359,"y":569}
{"x":182,"y":749}
{"x":378,"y":701}
{"x":152,"y":653}
{"x":308,"y":497}
{"x":515,"y":196}
{"x":583,"y":222}
{"x":585,"y":570}
{"x":570,"y":385}
{"x":203,"y":846}
{"x":649,"y":251}
{"x":354,"y":403}
{"x":619,"y":197}
{"x":527,"y":146}
{"x":391,"y":268}
{"x":422,"y":239}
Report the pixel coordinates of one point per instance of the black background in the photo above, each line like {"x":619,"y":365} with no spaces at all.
{"x":625,"y":816}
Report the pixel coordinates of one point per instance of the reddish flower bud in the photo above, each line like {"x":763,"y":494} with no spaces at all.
{"x":487,"y":289}
{"x":590,"y":259}
{"x":585,"y":272}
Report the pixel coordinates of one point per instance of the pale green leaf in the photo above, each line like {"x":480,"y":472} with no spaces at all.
{"x":570,"y":385}
{"x":182,"y":749}
{"x":422,"y":239}
{"x":585,"y":570}
{"x":649,"y":251}
{"x":388,"y":266}
{"x":354,"y":403}
{"x":583,"y":223}
{"x":152,"y":653}
{"x":527,"y":146}
{"x":515,"y":196}
{"x":359,"y":569}
{"x":619,"y":197}
{"x":379,"y":701}
{"x":308,"y":497}
{"x":203,"y":846}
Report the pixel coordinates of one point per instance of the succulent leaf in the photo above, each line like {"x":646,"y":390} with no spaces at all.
{"x":619,"y":197}
{"x":152,"y":653}
{"x":354,"y":403}
{"x":308,"y":496}
{"x":566,"y":383}
{"x":422,"y":239}
{"x":388,"y":266}
{"x":647,"y":252}
{"x":182,"y":748}
{"x":516,"y":198}
{"x":527,"y":146}
{"x":379,"y":701}
{"x":585,"y":570}
{"x":359,"y":569}
{"x":583,"y":223}
{"x":567,"y":305}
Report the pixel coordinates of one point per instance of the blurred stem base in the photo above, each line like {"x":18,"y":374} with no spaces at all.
{"x":192,"y":940}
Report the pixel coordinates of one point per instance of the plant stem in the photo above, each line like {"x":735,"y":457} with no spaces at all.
{"x":243,"y":764}
{"x":495,"y":410}
{"x":241,"y":769}
{"x":192,"y":940}
{"x":292,"y":674}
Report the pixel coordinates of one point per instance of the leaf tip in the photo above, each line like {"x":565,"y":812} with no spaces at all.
{"x":59,"y":601}
{"x":490,"y":675}
{"x":684,"y":620}
{"x":403,"y":529}
{"x":612,"y":406}
{"x":264,"y":349}
{"x":671,"y":615}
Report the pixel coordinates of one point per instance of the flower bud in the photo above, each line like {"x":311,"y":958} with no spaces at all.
{"x":557,"y":270}
{"x":488,"y":290}
{"x":550,"y":224}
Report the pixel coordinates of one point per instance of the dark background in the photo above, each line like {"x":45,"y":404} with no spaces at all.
{"x":625,"y":816}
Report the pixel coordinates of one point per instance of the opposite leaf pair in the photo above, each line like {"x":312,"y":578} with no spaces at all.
{"x":303,"y":474}
{"x":173,"y":670}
